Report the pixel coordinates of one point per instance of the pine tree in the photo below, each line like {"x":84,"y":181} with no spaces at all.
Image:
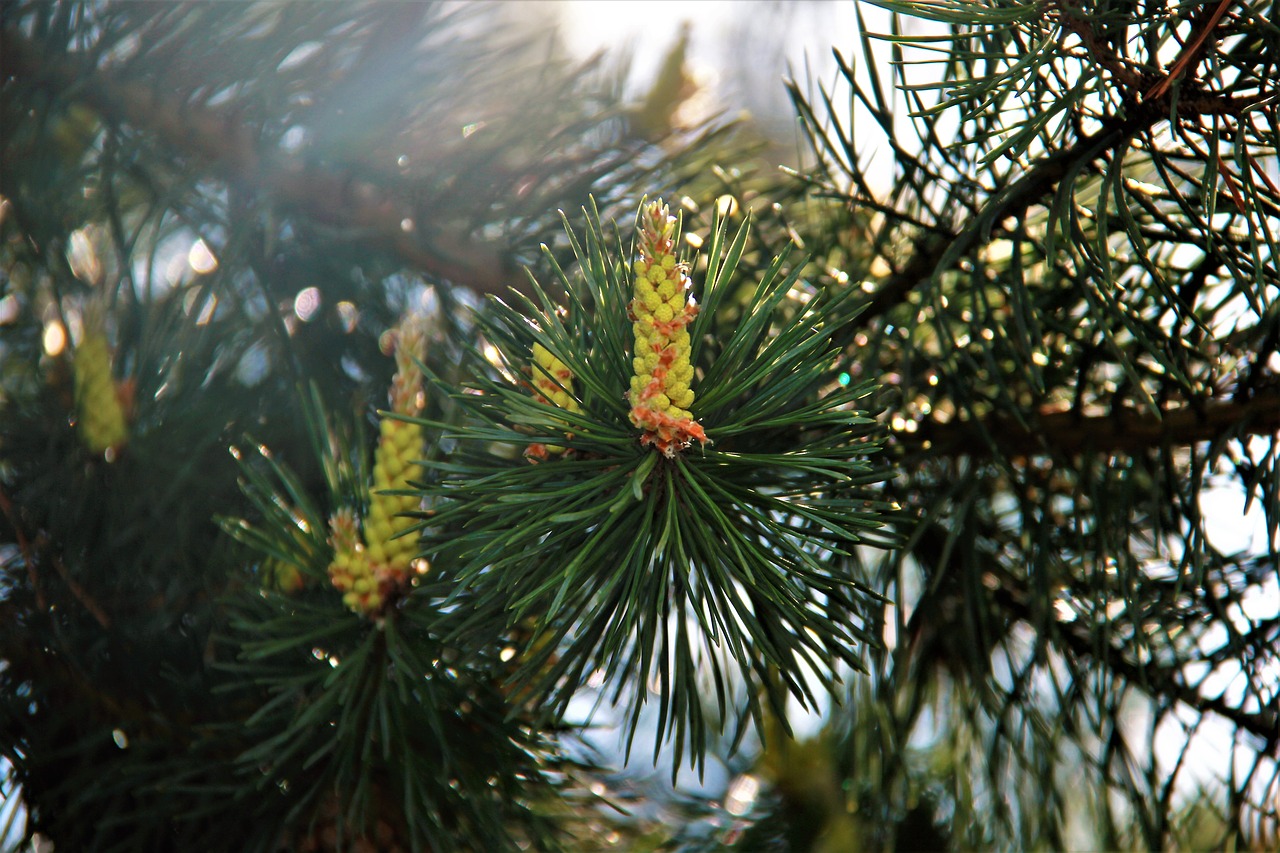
{"x":1071,"y":293}
{"x":366,"y":409}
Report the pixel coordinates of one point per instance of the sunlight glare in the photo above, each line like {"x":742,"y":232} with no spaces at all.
{"x":55,"y":338}
{"x":201,"y":259}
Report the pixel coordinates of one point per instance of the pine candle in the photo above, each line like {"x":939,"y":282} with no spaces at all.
{"x":660,"y":394}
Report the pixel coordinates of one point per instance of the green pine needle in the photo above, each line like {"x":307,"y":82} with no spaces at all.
{"x":651,"y":569}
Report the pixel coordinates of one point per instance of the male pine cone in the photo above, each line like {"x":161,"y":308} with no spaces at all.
{"x":372,"y":570}
{"x":660,"y":394}
{"x":99,"y":411}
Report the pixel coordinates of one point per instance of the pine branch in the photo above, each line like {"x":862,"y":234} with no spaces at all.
{"x":1192,"y":53}
{"x":1153,"y":92}
{"x":1076,"y":21}
{"x":376,"y":215}
{"x":1070,"y":432}
{"x":940,"y":253}
{"x":1152,"y":678}
{"x":1150,"y":102}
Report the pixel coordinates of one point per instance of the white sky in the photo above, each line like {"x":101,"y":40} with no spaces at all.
{"x":759,"y":38}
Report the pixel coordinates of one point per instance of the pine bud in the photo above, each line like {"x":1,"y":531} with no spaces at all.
{"x":369,"y":572}
{"x":283,"y":575}
{"x":553,"y":380}
{"x":660,"y":395}
{"x":399,"y":445}
{"x":349,"y":568}
{"x":672,"y":86}
{"x":100,"y":412}
{"x":553,"y":385}
{"x":410,"y":347}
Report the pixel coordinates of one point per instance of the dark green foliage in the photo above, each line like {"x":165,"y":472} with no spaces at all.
{"x":1072,"y":289}
{"x":380,"y":723}
{"x":715,"y":563}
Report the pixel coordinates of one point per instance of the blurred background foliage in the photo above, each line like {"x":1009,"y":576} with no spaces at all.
{"x":1061,"y":220}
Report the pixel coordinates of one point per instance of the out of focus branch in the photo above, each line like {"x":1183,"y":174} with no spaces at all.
{"x":369,"y":213}
{"x":1153,"y":678}
{"x":1070,"y":432}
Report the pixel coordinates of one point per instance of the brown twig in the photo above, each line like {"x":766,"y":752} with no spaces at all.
{"x":1030,"y":189}
{"x":24,"y":546}
{"x":367,"y":212}
{"x":1262,"y":173}
{"x":28,"y":557}
{"x":1229,"y":179}
{"x":1040,"y":180}
{"x":81,"y":595}
{"x":1070,"y":433}
{"x":1018,"y":601}
{"x":1074,"y":21}
{"x":1190,"y":54}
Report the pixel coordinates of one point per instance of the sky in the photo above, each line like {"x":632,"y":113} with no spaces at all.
{"x":740,"y":52}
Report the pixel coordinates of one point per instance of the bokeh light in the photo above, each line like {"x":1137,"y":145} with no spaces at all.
{"x":201,"y":259}
{"x":306,"y":303}
{"x":55,"y":338}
